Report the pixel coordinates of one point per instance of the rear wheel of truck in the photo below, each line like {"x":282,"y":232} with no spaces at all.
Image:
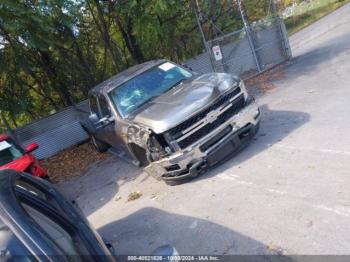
{"x":99,"y":145}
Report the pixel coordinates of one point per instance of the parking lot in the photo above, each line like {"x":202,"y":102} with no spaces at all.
{"x":287,"y":192}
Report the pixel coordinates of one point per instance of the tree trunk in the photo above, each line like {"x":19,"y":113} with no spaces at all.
{"x":59,"y":85}
{"x":4,"y":120}
{"x":103,"y":28}
{"x":130,"y":40}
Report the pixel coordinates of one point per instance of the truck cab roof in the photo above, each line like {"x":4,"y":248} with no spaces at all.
{"x":124,"y":76}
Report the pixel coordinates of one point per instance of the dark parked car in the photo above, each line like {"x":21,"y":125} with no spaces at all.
{"x":171,"y":121}
{"x":37,"y":224}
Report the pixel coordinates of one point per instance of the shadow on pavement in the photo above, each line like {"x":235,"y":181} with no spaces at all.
{"x":100,"y":184}
{"x":308,"y":62}
{"x":143,"y":231}
{"x":274,"y":127}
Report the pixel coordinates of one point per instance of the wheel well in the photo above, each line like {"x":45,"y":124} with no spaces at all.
{"x":84,"y":128}
{"x":139,"y":153}
{"x":87,"y":127}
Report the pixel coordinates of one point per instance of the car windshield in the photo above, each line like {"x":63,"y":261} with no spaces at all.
{"x":146,"y":86}
{"x":8,"y":152}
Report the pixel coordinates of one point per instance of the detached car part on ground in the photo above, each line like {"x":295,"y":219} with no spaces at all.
{"x":173,"y":122}
{"x":13,"y":156}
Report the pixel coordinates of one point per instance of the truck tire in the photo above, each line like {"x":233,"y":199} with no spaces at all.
{"x":99,"y":145}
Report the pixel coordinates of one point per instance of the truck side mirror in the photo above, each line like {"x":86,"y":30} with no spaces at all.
{"x":187,"y":67}
{"x":93,"y":118}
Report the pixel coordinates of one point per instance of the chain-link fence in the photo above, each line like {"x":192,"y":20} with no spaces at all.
{"x":256,"y":47}
{"x":245,"y":52}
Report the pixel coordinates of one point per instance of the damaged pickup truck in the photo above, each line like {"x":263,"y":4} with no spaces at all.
{"x":171,"y":121}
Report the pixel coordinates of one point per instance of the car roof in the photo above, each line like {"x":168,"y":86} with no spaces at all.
{"x":124,"y":76}
{"x":3,"y":137}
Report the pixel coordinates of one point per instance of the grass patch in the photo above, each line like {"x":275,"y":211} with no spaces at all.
{"x":309,"y":13}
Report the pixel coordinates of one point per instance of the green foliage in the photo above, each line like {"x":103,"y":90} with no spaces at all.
{"x":308,"y":13}
{"x":53,"y":51}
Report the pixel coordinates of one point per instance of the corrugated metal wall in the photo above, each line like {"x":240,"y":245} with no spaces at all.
{"x":62,"y":130}
{"x":55,"y":132}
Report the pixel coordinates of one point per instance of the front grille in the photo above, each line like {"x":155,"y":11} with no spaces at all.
{"x":237,"y":105}
{"x":176,"y":132}
{"x":215,"y":139}
{"x":172,"y":168}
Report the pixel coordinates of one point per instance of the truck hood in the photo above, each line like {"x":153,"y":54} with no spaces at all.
{"x":183,"y":101}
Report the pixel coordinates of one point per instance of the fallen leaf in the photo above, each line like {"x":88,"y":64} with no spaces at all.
{"x":275,"y":249}
{"x":265,"y":80}
{"x":134,"y":195}
{"x":154,"y":196}
{"x":71,"y":162}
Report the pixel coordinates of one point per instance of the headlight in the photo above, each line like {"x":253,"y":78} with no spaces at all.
{"x":244,"y":89}
{"x":138,"y":135}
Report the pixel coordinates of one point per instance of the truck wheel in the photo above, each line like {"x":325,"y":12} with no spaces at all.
{"x":100,"y":146}
{"x":176,"y":183}
{"x":172,"y":183}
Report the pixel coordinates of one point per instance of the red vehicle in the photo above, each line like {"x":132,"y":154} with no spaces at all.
{"x":12,"y":156}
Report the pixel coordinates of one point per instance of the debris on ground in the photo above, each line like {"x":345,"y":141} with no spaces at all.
{"x":71,"y":162}
{"x":275,"y":249}
{"x":118,"y":198}
{"x":154,"y":196}
{"x":134,"y":195}
{"x":264,"y":81}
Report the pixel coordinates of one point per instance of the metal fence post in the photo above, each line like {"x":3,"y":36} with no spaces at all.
{"x":197,"y":11}
{"x":283,"y":31}
{"x":250,"y":40}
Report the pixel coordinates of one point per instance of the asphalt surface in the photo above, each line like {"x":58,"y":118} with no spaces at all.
{"x":288,"y":192}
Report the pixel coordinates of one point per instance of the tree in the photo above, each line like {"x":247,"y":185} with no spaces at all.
{"x":53,"y":51}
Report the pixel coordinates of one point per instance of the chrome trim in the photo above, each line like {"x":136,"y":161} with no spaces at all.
{"x":189,"y":131}
{"x":193,"y":153}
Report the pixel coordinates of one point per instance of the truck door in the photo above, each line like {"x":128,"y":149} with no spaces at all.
{"x":107,"y":132}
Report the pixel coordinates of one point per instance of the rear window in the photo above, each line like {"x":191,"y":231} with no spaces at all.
{"x":8,"y":152}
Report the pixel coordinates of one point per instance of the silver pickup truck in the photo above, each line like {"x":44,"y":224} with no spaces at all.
{"x":171,"y":121}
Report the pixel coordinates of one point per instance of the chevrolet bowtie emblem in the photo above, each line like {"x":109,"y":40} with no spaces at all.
{"x":212,"y":116}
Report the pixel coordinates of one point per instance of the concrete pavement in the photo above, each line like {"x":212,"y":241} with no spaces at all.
{"x":288,"y":192}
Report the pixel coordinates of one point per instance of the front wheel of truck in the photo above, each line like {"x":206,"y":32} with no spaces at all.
{"x":99,"y":145}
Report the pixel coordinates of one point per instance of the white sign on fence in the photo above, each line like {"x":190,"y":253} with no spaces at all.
{"x":217,"y":53}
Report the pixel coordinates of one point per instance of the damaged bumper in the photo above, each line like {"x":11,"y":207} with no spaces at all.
{"x":226,"y":140}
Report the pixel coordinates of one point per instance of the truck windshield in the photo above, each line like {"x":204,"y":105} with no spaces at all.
{"x":146,"y":86}
{"x":8,"y":152}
